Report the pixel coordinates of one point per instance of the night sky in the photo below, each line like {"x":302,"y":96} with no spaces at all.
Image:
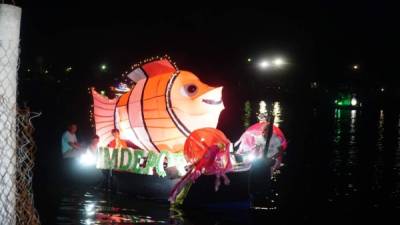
{"x":320,"y":41}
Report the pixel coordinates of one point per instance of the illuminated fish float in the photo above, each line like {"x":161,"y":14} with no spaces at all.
{"x":164,"y":106}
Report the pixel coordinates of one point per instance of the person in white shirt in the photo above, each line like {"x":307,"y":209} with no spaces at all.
{"x":69,"y":142}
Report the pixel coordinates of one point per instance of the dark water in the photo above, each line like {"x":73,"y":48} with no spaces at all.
{"x":340,"y":164}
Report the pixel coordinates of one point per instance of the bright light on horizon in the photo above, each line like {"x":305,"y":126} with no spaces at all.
{"x":265,"y":64}
{"x":272,"y":63}
{"x":103,"y":67}
{"x":278,"y":62}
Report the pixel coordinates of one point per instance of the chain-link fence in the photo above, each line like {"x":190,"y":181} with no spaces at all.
{"x":25,"y":209}
{"x":16,"y":143}
{"x":17,"y":149}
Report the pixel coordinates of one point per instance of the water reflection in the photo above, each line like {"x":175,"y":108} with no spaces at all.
{"x":357,"y":166}
{"x":345,"y":152}
{"x":378,"y":165}
{"x":277,"y":113}
{"x":362,"y":147}
{"x":275,"y":107}
{"x":95,"y":207}
{"x":396,"y":193}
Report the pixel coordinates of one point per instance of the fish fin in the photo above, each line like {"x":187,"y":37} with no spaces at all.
{"x":103,"y":114}
{"x":154,"y":68}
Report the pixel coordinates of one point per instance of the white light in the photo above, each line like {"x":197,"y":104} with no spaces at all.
{"x":353,"y":101}
{"x":249,"y":60}
{"x":278,"y":62}
{"x":382,"y":89}
{"x":87,"y":159}
{"x":103,"y":67}
{"x":355,"y":67}
{"x":250,"y":157}
{"x":265,"y":64}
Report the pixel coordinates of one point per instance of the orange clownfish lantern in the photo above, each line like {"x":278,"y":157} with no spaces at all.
{"x":161,"y":110}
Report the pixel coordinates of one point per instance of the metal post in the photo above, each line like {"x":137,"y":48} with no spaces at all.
{"x":10,"y":17}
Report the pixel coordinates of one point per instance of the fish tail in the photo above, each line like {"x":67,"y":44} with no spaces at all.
{"x":104,"y":116}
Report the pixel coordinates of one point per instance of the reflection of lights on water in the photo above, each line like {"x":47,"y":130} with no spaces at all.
{"x":353,"y":114}
{"x":277,"y":113}
{"x":338,"y":114}
{"x":353,"y":150}
{"x":90,"y":209}
{"x":263,"y":107}
{"x":266,"y":208}
{"x":89,"y":221}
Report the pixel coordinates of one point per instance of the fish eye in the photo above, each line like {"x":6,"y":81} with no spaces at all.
{"x":190,"y":90}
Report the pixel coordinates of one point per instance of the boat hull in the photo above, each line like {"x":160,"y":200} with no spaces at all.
{"x":201,"y":193}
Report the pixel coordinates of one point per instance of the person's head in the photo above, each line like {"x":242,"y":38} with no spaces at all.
{"x":115,"y":133}
{"x":95,"y":139}
{"x":72,"y":128}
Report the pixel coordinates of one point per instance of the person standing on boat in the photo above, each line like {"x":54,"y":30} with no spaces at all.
{"x":117,"y":142}
{"x":120,"y":143}
{"x":261,"y":169}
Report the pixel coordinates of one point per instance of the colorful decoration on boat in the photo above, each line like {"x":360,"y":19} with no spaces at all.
{"x":162,"y":109}
{"x":208,"y":151}
{"x":120,"y":89}
{"x":199,"y":142}
{"x":139,"y":161}
{"x":252,"y":142}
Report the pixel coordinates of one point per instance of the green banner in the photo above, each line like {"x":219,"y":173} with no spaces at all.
{"x":138,"y":161}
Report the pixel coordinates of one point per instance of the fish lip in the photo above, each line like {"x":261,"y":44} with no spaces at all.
{"x":212,"y":102}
